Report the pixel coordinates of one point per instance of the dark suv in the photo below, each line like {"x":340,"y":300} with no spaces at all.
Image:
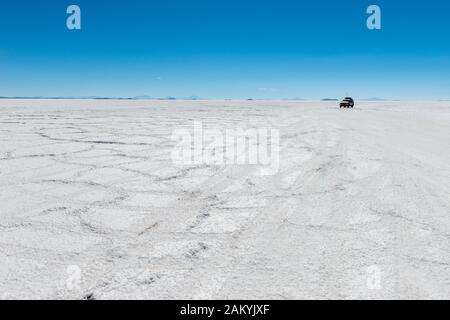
{"x":347,"y":103}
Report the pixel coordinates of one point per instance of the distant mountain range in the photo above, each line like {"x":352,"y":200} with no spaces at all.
{"x":147,"y":97}
{"x":368,"y":99}
{"x":143,"y":97}
{"x":374,"y":99}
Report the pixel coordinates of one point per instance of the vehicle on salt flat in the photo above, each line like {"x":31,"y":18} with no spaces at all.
{"x":348,"y":102}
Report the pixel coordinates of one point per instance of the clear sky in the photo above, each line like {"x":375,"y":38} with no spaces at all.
{"x":226,"y":49}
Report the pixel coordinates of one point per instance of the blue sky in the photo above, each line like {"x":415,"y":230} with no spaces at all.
{"x":226,"y":49}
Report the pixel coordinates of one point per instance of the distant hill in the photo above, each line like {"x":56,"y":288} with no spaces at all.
{"x":374,"y":99}
{"x":329,"y":99}
{"x":143,"y":97}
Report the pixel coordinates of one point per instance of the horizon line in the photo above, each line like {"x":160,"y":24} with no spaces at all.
{"x":195,"y":98}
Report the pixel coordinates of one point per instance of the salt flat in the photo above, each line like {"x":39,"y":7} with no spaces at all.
{"x":91,"y":203}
